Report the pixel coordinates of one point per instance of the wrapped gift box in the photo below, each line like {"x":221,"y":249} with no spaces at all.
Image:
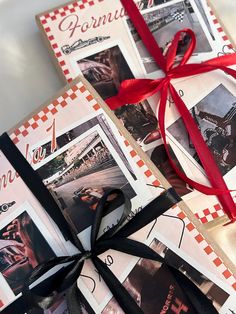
{"x":94,"y":38}
{"x":79,"y":149}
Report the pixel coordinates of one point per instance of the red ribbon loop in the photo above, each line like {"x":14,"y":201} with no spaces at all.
{"x":136,"y":90}
{"x":172,"y":51}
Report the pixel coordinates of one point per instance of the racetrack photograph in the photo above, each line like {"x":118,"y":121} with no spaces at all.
{"x":79,"y":177}
{"x":164,"y":22}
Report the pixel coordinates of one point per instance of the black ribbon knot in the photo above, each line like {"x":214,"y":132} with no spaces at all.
{"x":116,"y":238}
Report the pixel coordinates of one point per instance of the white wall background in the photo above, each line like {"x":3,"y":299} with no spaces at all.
{"x":28,"y":77}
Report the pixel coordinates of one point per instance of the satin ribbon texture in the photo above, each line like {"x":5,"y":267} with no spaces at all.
{"x":136,"y":90}
{"x":115,"y":238}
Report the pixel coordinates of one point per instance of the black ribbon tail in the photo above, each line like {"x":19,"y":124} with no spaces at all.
{"x":131,"y":247}
{"x":121,"y":295}
{"x":66,"y":278}
{"x":197,"y":298}
{"x":153,"y":210}
{"x":26,"y":301}
{"x":34,"y":183}
{"x":73,"y":297}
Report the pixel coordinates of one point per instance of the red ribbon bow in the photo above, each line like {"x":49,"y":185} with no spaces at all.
{"x":136,"y":90}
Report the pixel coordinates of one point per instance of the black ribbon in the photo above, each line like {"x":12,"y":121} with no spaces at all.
{"x":115,"y":238}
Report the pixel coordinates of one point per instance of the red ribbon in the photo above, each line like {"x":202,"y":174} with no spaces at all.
{"x":136,"y":90}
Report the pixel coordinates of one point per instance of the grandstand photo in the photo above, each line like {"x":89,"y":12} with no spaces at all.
{"x":80,"y":176}
{"x":164,"y":22}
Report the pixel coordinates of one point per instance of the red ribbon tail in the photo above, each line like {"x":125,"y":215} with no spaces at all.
{"x":135,"y":91}
{"x":207,"y":160}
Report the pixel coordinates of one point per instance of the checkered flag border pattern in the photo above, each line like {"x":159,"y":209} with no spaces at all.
{"x":207,"y":248}
{"x":46,"y":19}
{"x":178,"y":15}
{"x":80,"y":89}
{"x":209,"y":214}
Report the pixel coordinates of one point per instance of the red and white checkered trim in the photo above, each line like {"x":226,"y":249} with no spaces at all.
{"x":83,"y":4}
{"x":38,"y":119}
{"x":52,"y":109}
{"x":208,"y":214}
{"x":61,"y":12}
{"x":219,"y":28}
{"x":59,"y":104}
{"x":70,"y":8}
{"x":151,"y":179}
{"x":226,"y":273}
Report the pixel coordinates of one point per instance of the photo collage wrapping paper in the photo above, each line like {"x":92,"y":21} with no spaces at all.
{"x":94,"y":39}
{"x":89,"y":148}
{"x":70,"y":33}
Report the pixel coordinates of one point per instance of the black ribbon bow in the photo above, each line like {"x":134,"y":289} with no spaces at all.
{"x":115,"y":238}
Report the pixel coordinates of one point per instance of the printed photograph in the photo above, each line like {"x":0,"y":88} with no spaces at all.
{"x":75,"y":132}
{"x":105,"y":71}
{"x":147,"y":4}
{"x":60,"y":307}
{"x":140,"y":121}
{"x":215,"y":116}
{"x":79,"y":177}
{"x":1,"y":303}
{"x":164,"y":23}
{"x":159,"y":157}
{"x":155,"y":290}
{"x":22,"y":248}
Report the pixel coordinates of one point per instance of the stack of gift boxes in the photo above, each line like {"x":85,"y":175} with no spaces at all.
{"x":80,"y":149}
